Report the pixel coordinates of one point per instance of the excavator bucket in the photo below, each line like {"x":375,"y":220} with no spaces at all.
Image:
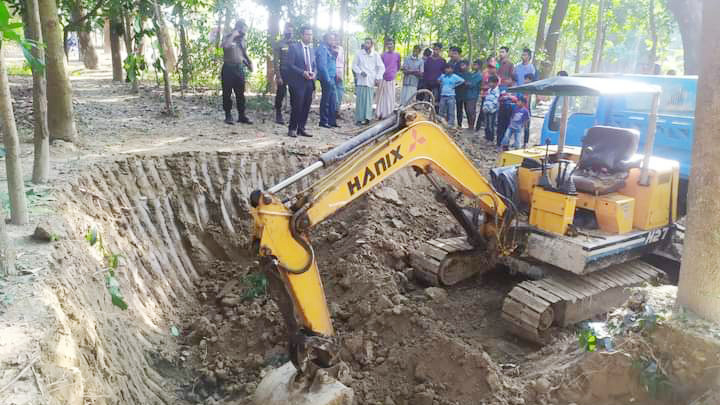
{"x":283,"y":386}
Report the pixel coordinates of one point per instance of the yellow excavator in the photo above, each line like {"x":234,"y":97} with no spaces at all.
{"x":575,"y":220}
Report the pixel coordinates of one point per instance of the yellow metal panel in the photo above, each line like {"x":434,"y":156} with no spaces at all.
{"x":586,"y":201}
{"x":423,"y":145}
{"x":653,"y":202}
{"x":527,"y":179}
{"x":515,"y":157}
{"x":306,"y":288}
{"x":614,"y":213}
{"x":551,"y":211}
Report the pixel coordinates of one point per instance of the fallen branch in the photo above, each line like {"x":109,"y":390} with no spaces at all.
{"x":17,"y":377}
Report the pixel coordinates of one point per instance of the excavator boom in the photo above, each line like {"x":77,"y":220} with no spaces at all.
{"x":282,"y":231}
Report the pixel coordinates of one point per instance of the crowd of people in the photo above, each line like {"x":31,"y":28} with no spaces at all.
{"x":476,"y":92}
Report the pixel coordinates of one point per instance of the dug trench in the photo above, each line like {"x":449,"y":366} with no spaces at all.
{"x":200,"y":327}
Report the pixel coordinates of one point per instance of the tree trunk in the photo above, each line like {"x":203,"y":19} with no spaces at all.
{"x":186,"y":68}
{"x":599,"y":37}
{"x":553,"y":36}
{"x":652,"y":58}
{"x":85,"y":46}
{"x":273,"y":31}
{"x":7,"y":251}
{"x":18,"y":207}
{"x":540,"y":39}
{"x":168,"y":49}
{"x":41,"y":162}
{"x":699,"y":288}
{"x":218,"y":39}
{"x":580,"y":37}
{"x":60,"y":108}
{"x":117,"y":66}
{"x":127,"y":33}
{"x":166,"y":75}
{"x":466,"y":24}
{"x":689,"y":15}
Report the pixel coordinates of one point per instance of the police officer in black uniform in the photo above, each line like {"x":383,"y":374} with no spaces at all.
{"x":280,"y":66}
{"x":235,"y":60}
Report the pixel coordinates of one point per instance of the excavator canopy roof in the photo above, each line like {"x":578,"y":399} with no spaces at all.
{"x":585,"y":86}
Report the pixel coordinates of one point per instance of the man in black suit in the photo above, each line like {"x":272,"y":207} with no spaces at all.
{"x":301,"y":72}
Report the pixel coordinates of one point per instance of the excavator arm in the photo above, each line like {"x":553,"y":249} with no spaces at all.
{"x":282,"y":231}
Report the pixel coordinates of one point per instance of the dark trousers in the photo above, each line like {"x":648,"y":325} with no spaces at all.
{"x":460,"y":109}
{"x":503,"y":120}
{"x":480,"y":121}
{"x":280,"y":93}
{"x":233,"y":80}
{"x":301,"y":94}
{"x":328,"y":103}
{"x":490,"y":124}
{"x":526,"y":134}
{"x":469,"y":106}
{"x":434,"y":87}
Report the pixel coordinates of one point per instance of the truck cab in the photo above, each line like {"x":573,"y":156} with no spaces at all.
{"x":675,"y":122}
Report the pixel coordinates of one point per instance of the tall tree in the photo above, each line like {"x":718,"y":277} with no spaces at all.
{"x":599,"y":37}
{"x":162,"y":40}
{"x":116,"y":30}
{"x":60,"y":108}
{"x":18,"y":206}
{"x":41,"y":162}
{"x":184,"y":56}
{"x":553,"y":36}
{"x":273,"y":21}
{"x":689,"y":15}
{"x":80,"y":23}
{"x":699,"y":287}
{"x":540,"y":38}
{"x":466,"y":24}
{"x":580,"y":36}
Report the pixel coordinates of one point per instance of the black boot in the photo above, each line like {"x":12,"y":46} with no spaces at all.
{"x":279,"y":117}
{"x":243,"y":119}
{"x":229,"y":118}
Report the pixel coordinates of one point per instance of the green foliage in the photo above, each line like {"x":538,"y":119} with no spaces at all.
{"x":652,"y":378}
{"x":134,"y":65}
{"x":256,"y":286}
{"x":587,"y":339}
{"x":112,"y":261}
{"x":19,"y":70}
{"x":9,"y":31}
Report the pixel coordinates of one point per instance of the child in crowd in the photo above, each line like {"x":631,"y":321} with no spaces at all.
{"x":473,"y":81}
{"x":520,"y":116}
{"x":490,"y":108}
{"x":448,"y":82}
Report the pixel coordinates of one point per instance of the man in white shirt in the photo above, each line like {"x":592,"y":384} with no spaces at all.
{"x":369,"y":70}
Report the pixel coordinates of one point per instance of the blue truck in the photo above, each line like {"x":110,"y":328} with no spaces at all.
{"x":675,"y":122}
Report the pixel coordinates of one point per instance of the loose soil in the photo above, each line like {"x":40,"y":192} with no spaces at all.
{"x":168,"y":196}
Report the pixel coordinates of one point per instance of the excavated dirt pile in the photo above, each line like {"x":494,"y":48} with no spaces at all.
{"x":200,"y":327}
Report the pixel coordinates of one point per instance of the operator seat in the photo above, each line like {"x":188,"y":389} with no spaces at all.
{"x":608,"y":153}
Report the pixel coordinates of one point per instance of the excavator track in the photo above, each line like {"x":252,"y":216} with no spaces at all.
{"x":563,"y":298}
{"x":446,"y":262}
